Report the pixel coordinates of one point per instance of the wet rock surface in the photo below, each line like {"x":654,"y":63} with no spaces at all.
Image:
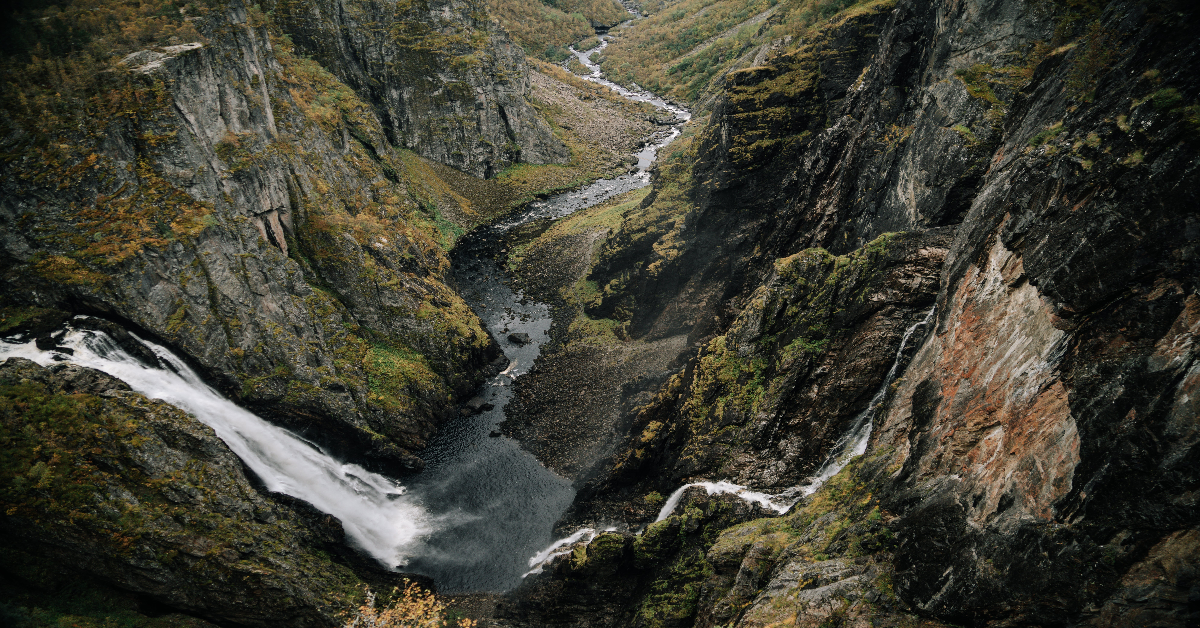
{"x":237,"y":236}
{"x":1030,"y":170}
{"x":811,"y":348}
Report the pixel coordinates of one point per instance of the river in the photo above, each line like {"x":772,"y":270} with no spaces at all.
{"x":496,"y":503}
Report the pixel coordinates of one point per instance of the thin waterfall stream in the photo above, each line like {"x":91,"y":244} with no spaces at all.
{"x":852,"y":444}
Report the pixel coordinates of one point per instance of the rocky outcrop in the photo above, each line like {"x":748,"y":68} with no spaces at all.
{"x":656,"y":578}
{"x":445,"y":81}
{"x":101,"y":481}
{"x":1049,"y":409}
{"x":763,"y":403}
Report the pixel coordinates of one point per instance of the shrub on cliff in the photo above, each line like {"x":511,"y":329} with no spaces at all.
{"x":414,"y":608}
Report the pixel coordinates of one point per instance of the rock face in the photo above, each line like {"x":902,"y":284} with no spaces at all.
{"x":1036,"y":460}
{"x":1030,"y":169}
{"x":813,"y":341}
{"x":100,"y":481}
{"x":445,"y":81}
{"x":234,"y":199}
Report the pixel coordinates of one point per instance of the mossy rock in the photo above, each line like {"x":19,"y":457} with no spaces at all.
{"x":603,"y":556}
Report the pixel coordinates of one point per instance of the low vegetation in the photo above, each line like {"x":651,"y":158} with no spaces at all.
{"x":695,"y":556}
{"x":474,"y":201}
{"x":684,"y":49}
{"x":546,"y":28}
{"x":412,"y":607}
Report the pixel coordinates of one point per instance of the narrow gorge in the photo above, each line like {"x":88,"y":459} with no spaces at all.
{"x":653,"y":313}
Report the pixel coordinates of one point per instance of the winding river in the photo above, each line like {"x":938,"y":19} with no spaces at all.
{"x":495,"y":503}
{"x":480,"y":516}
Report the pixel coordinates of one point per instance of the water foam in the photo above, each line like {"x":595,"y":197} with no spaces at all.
{"x":779,"y":503}
{"x":562,"y":547}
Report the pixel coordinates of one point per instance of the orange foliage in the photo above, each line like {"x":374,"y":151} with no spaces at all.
{"x":414,"y":608}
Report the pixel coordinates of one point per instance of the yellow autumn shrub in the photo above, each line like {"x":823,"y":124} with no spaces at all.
{"x":414,"y":607}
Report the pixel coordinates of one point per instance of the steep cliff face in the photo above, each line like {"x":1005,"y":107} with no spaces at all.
{"x":1036,"y":460}
{"x":814,"y":341}
{"x":445,"y":81}
{"x":234,"y":198}
{"x":1053,"y":406}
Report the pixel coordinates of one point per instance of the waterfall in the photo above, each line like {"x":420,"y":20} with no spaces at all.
{"x":556,"y":549}
{"x":854,"y":442}
{"x":851,"y":445}
{"x":375,"y":512}
{"x":778,"y":503}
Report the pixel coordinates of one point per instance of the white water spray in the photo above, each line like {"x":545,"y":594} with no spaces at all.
{"x":375,"y":513}
{"x":851,"y":445}
{"x":854,"y":442}
{"x":779,"y":503}
{"x":562,"y":547}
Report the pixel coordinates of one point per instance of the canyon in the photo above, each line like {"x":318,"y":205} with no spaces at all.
{"x":891,"y":323}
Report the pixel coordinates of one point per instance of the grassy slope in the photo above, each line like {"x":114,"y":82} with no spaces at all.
{"x":546,"y":29}
{"x":682,"y":50}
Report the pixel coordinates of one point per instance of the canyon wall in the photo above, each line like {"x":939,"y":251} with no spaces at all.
{"x":445,"y":81}
{"x":1035,"y":462}
{"x":216,"y":178}
{"x":255,"y":191}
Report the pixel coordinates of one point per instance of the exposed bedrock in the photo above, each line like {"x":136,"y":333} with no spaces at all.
{"x":444,"y":79}
{"x":1036,"y":460}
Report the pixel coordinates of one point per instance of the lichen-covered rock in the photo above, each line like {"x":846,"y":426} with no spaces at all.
{"x":657,"y":578}
{"x":1036,"y":459}
{"x":767,"y":400}
{"x":1045,"y":412}
{"x":445,"y":80}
